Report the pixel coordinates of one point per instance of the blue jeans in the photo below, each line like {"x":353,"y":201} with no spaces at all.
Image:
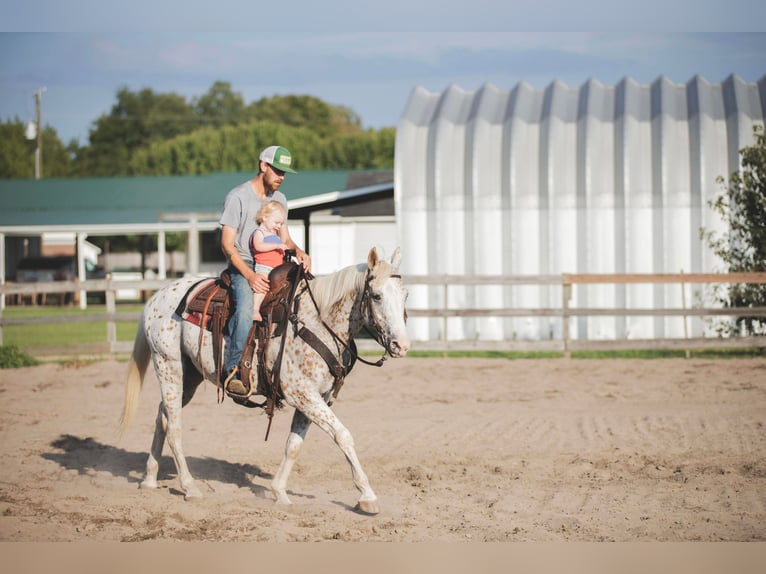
{"x":241,"y":319}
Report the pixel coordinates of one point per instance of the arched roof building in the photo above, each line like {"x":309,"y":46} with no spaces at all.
{"x":588,"y":179}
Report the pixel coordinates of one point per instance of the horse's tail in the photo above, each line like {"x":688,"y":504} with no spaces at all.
{"x":139,"y":362}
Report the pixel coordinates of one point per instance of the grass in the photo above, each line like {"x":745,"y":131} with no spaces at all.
{"x":488,"y":354}
{"x":627,"y":354}
{"x":43,"y":334}
{"x":61,"y":334}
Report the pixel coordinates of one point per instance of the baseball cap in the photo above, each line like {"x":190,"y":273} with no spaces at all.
{"x":278,"y":157}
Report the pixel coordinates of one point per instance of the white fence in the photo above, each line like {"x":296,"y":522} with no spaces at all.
{"x":564,"y":313}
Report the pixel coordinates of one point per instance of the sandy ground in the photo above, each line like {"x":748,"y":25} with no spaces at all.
{"x":456,"y":449}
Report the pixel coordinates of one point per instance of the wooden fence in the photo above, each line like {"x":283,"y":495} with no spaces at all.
{"x":564,"y":312}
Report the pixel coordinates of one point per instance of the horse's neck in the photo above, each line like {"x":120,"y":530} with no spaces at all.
{"x":344,"y":316}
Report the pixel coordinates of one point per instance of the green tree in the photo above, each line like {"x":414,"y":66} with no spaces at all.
{"x":305,"y":111}
{"x":236,"y":148}
{"x":232,"y":148}
{"x":136,"y":120}
{"x":742,"y":206}
{"x":220,"y":106}
{"x":17,"y":153}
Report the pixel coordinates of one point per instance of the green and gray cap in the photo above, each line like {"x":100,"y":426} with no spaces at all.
{"x":278,"y":158}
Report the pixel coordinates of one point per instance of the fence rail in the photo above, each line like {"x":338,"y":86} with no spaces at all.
{"x":566,"y":311}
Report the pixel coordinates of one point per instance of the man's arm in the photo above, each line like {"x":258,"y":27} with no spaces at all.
{"x":258,"y":283}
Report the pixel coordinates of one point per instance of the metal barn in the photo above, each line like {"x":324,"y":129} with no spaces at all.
{"x":588,"y":179}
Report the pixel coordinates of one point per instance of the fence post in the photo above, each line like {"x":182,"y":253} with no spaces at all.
{"x":685,"y":317}
{"x":444,"y":325}
{"x":111,"y":308}
{"x":566,"y":295}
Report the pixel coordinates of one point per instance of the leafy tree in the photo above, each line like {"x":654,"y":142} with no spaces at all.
{"x":148,"y":133}
{"x":305,"y":111}
{"x":17,"y":153}
{"x":220,"y":106}
{"x":742,"y":206}
{"x":236,"y":148}
{"x":136,"y":120}
{"x":227,"y":149}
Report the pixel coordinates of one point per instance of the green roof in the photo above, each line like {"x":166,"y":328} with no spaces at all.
{"x":141,"y":200}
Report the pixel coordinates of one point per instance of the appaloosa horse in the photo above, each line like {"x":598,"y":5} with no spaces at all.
{"x":334,"y":308}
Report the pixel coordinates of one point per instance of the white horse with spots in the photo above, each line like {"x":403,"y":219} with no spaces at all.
{"x":369,"y":294}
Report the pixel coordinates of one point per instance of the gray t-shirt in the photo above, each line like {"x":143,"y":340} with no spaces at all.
{"x":239,"y":209}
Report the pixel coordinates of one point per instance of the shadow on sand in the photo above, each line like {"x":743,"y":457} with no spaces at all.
{"x":86,"y":455}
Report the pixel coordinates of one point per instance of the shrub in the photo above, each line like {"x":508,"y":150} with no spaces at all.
{"x":12,"y":358}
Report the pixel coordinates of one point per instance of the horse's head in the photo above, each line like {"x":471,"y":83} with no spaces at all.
{"x":384,"y":301}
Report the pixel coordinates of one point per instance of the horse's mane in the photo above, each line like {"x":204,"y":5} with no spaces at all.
{"x":329,"y":289}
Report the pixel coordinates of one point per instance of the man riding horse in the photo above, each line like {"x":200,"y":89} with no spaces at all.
{"x":237,"y":224}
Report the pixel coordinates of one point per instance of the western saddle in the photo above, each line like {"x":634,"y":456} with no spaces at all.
{"x":209,"y":307}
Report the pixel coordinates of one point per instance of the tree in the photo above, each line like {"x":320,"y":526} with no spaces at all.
{"x":220,"y":106}
{"x":305,"y":111}
{"x":149,"y":133}
{"x":135,"y":121}
{"x":17,"y":153}
{"x":742,"y":206}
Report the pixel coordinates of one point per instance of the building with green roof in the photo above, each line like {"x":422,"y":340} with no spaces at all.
{"x":159,"y":205}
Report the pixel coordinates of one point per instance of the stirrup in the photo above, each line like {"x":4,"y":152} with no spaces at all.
{"x":232,"y":378}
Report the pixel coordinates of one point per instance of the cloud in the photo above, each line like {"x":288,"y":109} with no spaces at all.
{"x":373,"y":73}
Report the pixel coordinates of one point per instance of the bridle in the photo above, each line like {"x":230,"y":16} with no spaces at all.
{"x":350,"y":347}
{"x":371,"y":323}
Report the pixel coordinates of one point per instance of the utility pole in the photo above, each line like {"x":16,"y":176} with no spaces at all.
{"x":39,"y":150}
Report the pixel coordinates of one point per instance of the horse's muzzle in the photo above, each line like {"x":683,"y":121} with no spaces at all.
{"x":399,"y":347}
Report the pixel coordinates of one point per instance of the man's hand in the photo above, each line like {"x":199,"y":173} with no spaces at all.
{"x":304,"y":259}
{"x":259,"y":283}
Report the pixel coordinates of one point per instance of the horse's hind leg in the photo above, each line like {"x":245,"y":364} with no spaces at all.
{"x":153,"y":462}
{"x":192,"y":380}
{"x":298,"y":429}
{"x":168,"y":425}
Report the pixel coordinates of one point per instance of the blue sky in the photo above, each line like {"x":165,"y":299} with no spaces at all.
{"x":82,"y":61}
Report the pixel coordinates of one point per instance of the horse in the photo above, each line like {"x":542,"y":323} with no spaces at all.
{"x":334,"y":307}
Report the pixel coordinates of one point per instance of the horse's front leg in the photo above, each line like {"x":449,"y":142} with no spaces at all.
{"x":319,"y":413}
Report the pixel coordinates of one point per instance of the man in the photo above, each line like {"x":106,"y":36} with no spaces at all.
{"x":237,"y":224}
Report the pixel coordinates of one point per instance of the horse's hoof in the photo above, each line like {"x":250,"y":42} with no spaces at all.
{"x":192,"y":494}
{"x":368,"y":506}
{"x":282,"y":499}
{"x":148,"y":483}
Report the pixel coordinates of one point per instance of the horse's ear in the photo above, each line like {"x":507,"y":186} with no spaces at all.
{"x":372,"y":258}
{"x":396,"y":259}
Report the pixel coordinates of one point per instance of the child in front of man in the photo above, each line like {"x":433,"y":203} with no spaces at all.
{"x":266,"y":246}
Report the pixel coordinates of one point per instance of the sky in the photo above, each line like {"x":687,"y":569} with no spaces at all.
{"x":79,"y":53}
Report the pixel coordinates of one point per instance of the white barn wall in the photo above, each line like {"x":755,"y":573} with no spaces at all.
{"x":592,"y":179}
{"x":338,"y":242}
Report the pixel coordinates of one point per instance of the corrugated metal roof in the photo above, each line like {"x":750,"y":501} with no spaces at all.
{"x":138,"y":200}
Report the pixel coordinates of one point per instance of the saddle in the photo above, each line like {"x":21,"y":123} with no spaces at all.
{"x":209,"y":306}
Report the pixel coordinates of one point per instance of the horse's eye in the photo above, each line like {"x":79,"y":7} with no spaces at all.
{"x":376,"y":297}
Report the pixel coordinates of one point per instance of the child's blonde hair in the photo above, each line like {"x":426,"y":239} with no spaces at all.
{"x":267,"y":209}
